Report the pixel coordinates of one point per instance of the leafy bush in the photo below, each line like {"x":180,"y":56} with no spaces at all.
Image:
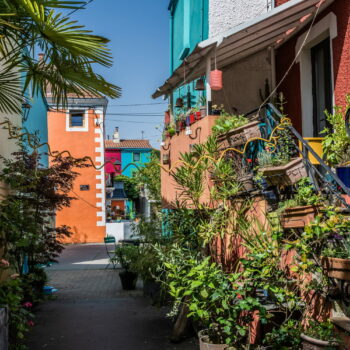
{"x":228,"y":122}
{"x":287,"y":336}
{"x":127,"y":255}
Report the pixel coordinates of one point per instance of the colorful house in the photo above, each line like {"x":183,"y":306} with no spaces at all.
{"x":80,"y":129}
{"x":125,"y":157}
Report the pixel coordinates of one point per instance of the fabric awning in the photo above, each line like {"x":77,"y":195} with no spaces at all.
{"x":269,"y":30}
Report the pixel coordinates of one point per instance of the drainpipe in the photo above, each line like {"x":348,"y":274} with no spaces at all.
{"x":207,"y":85}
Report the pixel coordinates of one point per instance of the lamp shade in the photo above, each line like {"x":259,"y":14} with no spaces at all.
{"x":179,"y":103}
{"x":216,"y":80}
{"x":200,"y":85}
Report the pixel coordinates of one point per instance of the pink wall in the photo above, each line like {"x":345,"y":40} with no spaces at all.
{"x":113,"y":155}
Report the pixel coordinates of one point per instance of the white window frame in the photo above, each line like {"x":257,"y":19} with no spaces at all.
{"x":83,"y":128}
{"x":327,"y":27}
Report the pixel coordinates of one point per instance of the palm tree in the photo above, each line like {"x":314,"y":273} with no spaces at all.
{"x":70,"y":51}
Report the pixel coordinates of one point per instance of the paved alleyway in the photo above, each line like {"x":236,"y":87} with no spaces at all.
{"x":92,"y":312}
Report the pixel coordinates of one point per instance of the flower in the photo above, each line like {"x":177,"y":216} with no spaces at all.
{"x":30,"y":323}
{"x":27,"y":304}
{"x":4,"y":263}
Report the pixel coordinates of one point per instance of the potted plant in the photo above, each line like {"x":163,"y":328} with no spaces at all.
{"x":336,"y":142}
{"x":126,"y":255}
{"x":217,"y":110}
{"x":286,"y":336}
{"x":279,"y":170}
{"x":171,"y":130}
{"x":320,"y":336}
{"x":202,"y":107}
{"x":302,"y":210}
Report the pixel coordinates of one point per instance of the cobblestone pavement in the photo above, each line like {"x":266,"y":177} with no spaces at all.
{"x":90,"y":311}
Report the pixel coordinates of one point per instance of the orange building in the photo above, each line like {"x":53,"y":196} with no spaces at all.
{"x":80,"y":130}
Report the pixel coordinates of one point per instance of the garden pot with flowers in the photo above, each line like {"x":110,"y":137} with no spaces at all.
{"x":303,"y":208}
{"x":126,"y":255}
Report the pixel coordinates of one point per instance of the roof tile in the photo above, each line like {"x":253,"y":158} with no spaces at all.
{"x":139,"y":144}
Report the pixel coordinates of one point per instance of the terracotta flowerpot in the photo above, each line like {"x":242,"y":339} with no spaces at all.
{"x":239,"y":136}
{"x":285,"y":175}
{"x":309,"y":343}
{"x":337,"y":268}
{"x":205,"y":345}
{"x":299,"y":217}
{"x":192,"y":118}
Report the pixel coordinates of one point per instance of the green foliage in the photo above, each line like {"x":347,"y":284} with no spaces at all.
{"x":20,"y":317}
{"x":323,"y":331}
{"x":228,"y":122}
{"x":127,"y":255}
{"x":215,"y":299}
{"x":148,"y":177}
{"x":70,"y":51}
{"x":285,"y":337}
{"x":130,"y":186}
{"x":336,"y":142}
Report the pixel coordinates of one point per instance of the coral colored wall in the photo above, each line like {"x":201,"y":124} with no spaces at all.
{"x":341,"y":63}
{"x":113,"y":155}
{"x":180,"y":143}
{"x":85,"y":216}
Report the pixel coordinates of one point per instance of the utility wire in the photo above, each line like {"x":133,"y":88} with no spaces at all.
{"x":79,"y":8}
{"x":140,"y":104}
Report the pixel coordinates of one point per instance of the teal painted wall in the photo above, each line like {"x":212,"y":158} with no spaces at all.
{"x":189,"y":25}
{"x":127,"y":158}
{"x":36,"y":122}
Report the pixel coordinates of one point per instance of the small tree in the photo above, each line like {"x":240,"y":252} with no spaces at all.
{"x":27,"y":229}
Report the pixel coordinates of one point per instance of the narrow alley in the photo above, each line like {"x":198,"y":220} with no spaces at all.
{"x":90,"y":310}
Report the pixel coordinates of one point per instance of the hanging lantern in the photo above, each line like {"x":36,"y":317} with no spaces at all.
{"x":179,"y":103}
{"x":216,"y":80}
{"x":200,"y":85}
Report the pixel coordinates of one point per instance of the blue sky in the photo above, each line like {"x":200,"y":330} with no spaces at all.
{"x":139,"y":34}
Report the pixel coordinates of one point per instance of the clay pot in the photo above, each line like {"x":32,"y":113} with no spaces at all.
{"x":285,"y":175}
{"x":309,"y":343}
{"x":337,"y":268}
{"x":205,"y":345}
{"x":239,"y":136}
{"x":299,"y":217}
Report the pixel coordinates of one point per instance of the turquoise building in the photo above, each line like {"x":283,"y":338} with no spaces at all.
{"x":34,"y":121}
{"x":133,"y":158}
{"x":189,"y":25}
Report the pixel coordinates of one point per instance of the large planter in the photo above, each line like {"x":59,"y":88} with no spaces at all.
{"x":309,"y":343}
{"x":344,"y":175}
{"x":285,"y":175}
{"x":128,"y":280}
{"x":204,"y":344}
{"x":337,"y":268}
{"x":239,"y":136}
{"x":298,"y":217}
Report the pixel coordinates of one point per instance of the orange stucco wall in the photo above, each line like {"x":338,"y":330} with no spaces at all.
{"x":82,"y":215}
{"x":180,"y":143}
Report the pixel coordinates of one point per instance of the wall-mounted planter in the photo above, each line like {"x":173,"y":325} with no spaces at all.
{"x":241,"y":135}
{"x":285,"y":175}
{"x":309,"y":343}
{"x":166,"y":158}
{"x":198,"y":115}
{"x":337,"y":268}
{"x":299,"y":217}
{"x":204,"y":344}
{"x":247,"y":183}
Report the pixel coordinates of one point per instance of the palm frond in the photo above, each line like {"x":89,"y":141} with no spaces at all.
{"x":10,"y":91}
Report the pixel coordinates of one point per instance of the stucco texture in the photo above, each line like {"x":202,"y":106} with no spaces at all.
{"x":81,"y":216}
{"x":242,"y":82}
{"x":226,"y":14}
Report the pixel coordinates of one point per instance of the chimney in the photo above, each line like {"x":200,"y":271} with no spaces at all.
{"x":116,"y":137}
{"x":41,"y":56}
